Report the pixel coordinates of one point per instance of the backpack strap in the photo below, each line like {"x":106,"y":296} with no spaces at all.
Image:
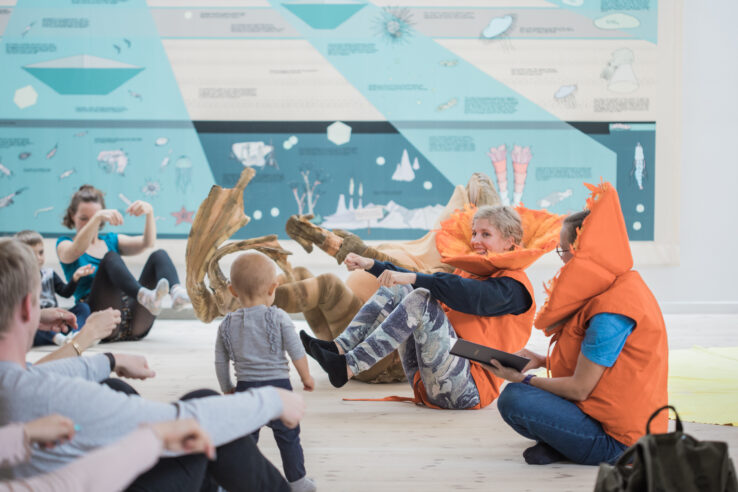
{"x":679,"y":427}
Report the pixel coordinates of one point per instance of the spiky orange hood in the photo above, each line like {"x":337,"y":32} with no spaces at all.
{"x":540,"y":235}
{"x":601,"y":254}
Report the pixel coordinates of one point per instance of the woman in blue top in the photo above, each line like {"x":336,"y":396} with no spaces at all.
{"x":112,"y":284}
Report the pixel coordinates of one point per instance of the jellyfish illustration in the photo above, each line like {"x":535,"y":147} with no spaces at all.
{"x":564,"y":95}
{"x":639,"y":166}
{"x":521,"y":157}
{"x":498,"y":155}
{"x":183,"y":168}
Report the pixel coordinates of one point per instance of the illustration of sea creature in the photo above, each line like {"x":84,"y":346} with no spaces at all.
{"x":27,"y":28}
{"x":554,"y":197}
{"x":497,"y":26}
{"x":135,"y":95}
{"x":448,"y":63}
{"x":151,"y":188}
{"x":448,"y":104}
{"x":498,"y":156}
{"x":8,"y":199}
{"x":394,"y":24}
{"x":113,"y":161}
{"x":52,"y":152}
{"x":4,"y":171}
{"x":521,"y":157}
{"x":251,"y":154}
{"x":565,"y":95}
{"x":42,"y":210}
{"x":128,"y":42}
{"x":165,"y":161}
{"x":183,"y":168}
{"x":117,"y":49}
{"x":639,"y":166}
{"x":161,"y":141}
{"x":67,"y":173}
{"x":24,"y":155}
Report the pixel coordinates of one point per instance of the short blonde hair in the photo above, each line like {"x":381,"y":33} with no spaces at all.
{"x":252,"y":274}
{"x":503,"y":218}
{"x":29,"y":237}
{"x":19,"y":278}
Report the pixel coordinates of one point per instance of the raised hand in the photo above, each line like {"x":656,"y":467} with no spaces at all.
{"x":139,"y":207}
{"x":111,"y":216}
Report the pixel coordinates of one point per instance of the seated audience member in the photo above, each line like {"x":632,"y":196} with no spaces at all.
{"x":51,"y":285}
{"x":422,"y":315}
{"x":101,"y":470}
{"x":112,"y":284}
{"x":70,"y":387}
{"x":608,"y":366}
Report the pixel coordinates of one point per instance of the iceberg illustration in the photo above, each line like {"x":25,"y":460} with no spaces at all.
{"x":324,"y":15}
{"x":83,"y":74}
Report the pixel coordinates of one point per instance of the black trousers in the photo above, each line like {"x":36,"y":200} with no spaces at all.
{"x":239,"y":466}
{"x":114,"y":286}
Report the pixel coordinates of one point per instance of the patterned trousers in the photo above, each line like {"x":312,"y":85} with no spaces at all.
{"x":412,"y":321}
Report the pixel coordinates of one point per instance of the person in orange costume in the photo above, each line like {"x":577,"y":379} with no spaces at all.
{"x":608,"y":367}
{"x":488,"y":300}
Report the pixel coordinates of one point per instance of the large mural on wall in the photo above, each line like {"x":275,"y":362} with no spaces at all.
{"x":364,"y":114}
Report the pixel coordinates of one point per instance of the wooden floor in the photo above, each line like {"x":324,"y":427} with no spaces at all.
{"x":367,"y":446}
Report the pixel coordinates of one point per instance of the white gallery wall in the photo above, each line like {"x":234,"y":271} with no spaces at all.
{"x":706,"y":280}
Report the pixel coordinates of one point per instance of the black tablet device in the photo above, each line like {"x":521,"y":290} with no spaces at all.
{"x":482,"y":354}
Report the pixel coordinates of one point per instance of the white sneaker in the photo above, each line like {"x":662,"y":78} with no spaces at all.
{"x":304,"y":484}
{"x":180,"y":299}
{"x":151,"y":299}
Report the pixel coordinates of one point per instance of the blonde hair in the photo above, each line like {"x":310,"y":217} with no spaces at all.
{"x":252,"y":274}
{"x":19,"y":278}
{"x":29,"y":237}
{"x":503,"y":218}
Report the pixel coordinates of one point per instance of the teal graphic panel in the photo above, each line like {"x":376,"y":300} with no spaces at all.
{"x":88,"y":96}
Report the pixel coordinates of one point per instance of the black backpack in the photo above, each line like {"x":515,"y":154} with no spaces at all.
{"x":670,"y":462}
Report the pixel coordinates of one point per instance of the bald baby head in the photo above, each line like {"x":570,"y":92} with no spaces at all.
{"x":253,"y":274}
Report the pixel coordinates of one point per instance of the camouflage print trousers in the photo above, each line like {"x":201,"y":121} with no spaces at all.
{"x":412,"y":321}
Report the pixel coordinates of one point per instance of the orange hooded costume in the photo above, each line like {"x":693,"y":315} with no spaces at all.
{"x":598,"y":279}
{"x":509,"y":332}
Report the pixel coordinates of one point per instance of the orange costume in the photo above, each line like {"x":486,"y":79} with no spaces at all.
{"x":598,"y":279}
{"x":509,"y":332}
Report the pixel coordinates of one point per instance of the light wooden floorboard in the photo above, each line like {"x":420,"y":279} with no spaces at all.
{"x":367,"y":446}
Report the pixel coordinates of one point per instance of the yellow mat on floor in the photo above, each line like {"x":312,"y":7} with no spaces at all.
{"x":703,"y":384}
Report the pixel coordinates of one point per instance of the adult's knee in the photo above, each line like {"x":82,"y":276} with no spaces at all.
{"x":120,"y":386}
{"x":512,"y":400}
{"x":110,"y":256}
{"x":200,"y":393}
{"x":160,"y":255}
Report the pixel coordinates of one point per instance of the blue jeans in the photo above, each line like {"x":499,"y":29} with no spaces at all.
{"x":81,"y":310}
{"x":544,"y":417}
{"x":288,"y":440}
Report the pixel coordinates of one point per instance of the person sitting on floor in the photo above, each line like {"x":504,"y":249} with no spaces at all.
{"x":70,"y":386}
{"x":488,"y":300}
{"x":51,"y":285}
{"x":112,"y":284}
{"x":609,"y":364}
{"x":101,"y":470}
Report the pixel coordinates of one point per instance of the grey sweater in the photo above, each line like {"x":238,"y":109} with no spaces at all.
{"x":71,"y":388}
{"x":255,"y":339}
